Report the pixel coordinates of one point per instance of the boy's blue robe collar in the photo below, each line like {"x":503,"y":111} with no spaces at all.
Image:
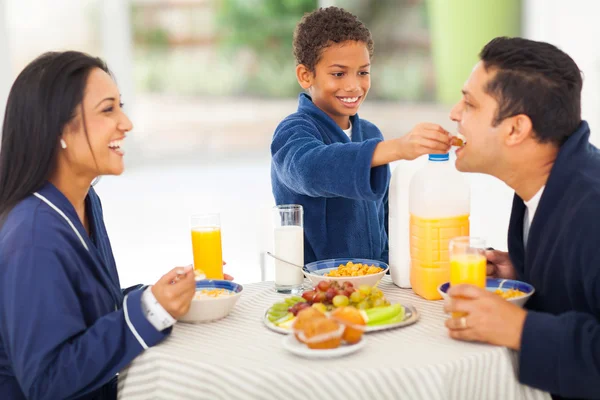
{"x":305,"y":104}
{"x":99,"y":250}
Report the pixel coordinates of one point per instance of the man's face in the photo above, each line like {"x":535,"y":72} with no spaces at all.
{"x":475,"y":114}
{"x":341,"y":80}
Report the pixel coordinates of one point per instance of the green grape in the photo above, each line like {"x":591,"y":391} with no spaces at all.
{"x":356,"y":297}
{"x":363,"y":305}
{"x":340,"y":301}
{"x":376,"y":293}
{"x":364,"y":289}
{"x":379,"y":302}
{"x":298,"y":299}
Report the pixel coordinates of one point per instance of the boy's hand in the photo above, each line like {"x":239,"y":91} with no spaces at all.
{"x":425,"y":138}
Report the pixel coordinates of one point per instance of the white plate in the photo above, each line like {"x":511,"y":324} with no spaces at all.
{"x":291,"y":344}
{"x":411,"y":315}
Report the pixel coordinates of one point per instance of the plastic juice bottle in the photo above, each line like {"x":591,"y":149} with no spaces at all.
{"x":439,"y":206}
{"x":398,"y":220}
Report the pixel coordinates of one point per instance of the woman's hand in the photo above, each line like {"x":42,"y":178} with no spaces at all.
{"x":175,"y":290}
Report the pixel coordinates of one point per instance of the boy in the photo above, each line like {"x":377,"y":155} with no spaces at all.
{"x":327,"y":159}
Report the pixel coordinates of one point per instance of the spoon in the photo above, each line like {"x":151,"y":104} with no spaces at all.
{"x":287,"y":262}
{"x":198,"y":276}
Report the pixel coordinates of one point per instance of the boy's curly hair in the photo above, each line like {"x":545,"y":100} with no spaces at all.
{"x":318,"y":29}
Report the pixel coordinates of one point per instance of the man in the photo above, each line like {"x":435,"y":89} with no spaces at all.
{"x":521,"y":116}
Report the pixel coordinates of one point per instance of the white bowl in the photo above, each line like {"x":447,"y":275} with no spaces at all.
{"x":315,"y":271}
{"x":207,"y":309}
{"x":492,"y":284}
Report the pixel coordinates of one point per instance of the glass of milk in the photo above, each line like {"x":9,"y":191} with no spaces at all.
{"x":288,"y":235}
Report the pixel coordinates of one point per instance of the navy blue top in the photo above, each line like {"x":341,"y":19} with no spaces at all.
{"x":66,"y":327}
{"x":560,"y":346}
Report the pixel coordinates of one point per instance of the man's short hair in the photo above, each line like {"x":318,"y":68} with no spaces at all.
{"x":536,"y":79}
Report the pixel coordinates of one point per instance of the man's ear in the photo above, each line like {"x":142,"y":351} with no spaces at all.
{"x":521,"y":129}
{"x":305,"y":76}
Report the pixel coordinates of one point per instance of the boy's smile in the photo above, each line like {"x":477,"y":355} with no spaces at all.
{"x":350,"y":102}
{"x":340,"y":81}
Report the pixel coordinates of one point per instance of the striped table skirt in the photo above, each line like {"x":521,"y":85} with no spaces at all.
{"x":239,"y":358}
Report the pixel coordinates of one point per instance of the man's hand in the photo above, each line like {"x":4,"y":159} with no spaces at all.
{"x":489,"y":318}
{"x":499,"y":265}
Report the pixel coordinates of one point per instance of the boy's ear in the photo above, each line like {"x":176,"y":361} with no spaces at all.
{"x":304,"y":76}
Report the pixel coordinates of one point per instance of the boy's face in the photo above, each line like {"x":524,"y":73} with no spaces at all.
{"x":341,"y":80}
{"x":475,"y":114}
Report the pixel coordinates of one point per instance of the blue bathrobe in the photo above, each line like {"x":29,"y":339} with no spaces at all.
{"x":315,"y":164}
{"x":66,"y":327}
{"x":560,"y":345}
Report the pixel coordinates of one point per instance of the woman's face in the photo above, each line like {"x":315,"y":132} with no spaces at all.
{"x":106,"y":125}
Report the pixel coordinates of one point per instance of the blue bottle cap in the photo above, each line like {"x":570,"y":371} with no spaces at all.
{"x":439,"y":157}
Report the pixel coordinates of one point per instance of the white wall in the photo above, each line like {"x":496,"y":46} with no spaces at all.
{"x":117,"y":45}
{"x":36,"y":26}
{"x":573,"y":27}
{"x":98,"y":27}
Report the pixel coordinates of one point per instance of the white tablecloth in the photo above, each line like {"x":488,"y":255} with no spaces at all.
{"x":239,"y":358}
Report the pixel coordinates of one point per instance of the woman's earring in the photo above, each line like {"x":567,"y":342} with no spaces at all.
{"x":63,"y":144}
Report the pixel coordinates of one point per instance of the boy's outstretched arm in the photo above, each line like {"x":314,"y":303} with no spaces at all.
{"x":425,"y":138}
{"x":306,"y":165}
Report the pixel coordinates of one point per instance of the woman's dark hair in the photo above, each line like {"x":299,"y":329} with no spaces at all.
{"x":536,"y":79}
{"x":42,"y":101}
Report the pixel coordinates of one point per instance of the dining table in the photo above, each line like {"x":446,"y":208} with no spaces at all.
{"x":238,"y":357}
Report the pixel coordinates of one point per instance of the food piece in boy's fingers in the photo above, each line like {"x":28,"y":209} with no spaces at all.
{"x":458,"y":140}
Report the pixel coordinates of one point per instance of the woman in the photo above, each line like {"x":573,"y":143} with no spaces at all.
{"x":66,"y":327}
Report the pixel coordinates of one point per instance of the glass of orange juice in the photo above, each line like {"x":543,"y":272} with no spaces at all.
{"x":206,"y":245}
{"x":468,"y":263}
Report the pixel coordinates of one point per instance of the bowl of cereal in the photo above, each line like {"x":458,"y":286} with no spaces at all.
{"x":358,"y":271}
{"x":516,"y":292}
{"x":214,"y":299}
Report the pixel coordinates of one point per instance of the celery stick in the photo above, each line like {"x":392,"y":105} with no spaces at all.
{"x":393,"y":320}
{"x":377,"y":314}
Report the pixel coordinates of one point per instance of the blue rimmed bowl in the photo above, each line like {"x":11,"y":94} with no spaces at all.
{"x":493,"y":284}
{"x":316,"y":271}
{"x":206,"y":308}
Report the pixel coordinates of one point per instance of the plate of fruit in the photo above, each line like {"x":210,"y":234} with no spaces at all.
{"x":327,"y":297}
{"x":319,"y":335}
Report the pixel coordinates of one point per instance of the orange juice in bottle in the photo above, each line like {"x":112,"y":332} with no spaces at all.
{"x":206,"y":245}
{"x":468,"y":263}
{"x":439,"y":205}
